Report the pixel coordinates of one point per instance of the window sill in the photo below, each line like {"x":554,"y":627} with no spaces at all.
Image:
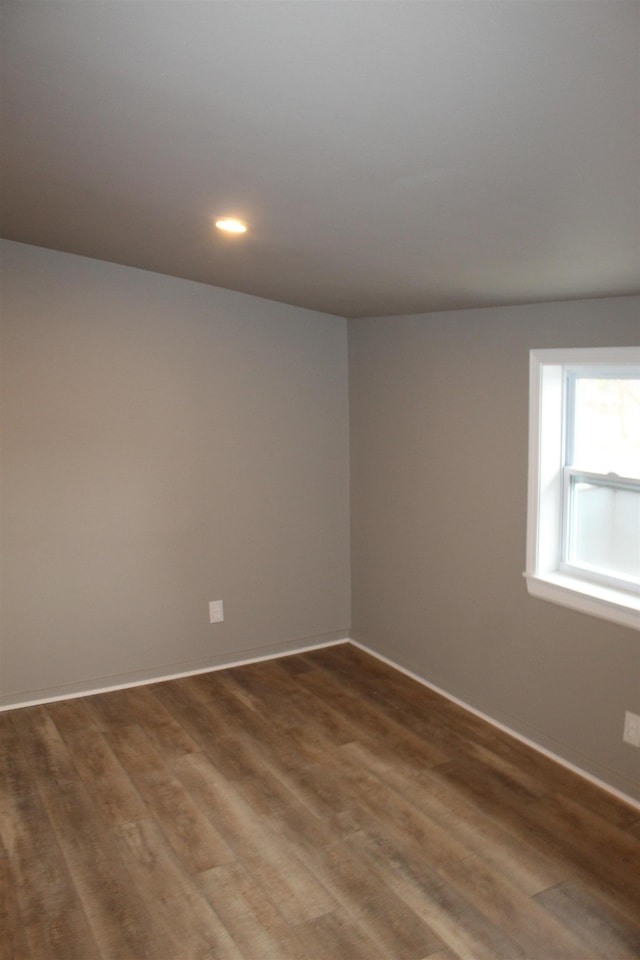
{"x":590,"y":598}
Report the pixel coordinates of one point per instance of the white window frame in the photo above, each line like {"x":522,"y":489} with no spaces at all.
{"x":548,"y":577}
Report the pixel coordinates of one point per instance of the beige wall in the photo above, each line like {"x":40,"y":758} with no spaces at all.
{"x":439,"y":418}
{"x":165,"y":443}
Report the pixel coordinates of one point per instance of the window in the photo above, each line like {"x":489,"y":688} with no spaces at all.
{"x":583,"y":534}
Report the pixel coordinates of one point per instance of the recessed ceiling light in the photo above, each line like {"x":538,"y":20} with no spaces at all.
{"x":231,"y":226}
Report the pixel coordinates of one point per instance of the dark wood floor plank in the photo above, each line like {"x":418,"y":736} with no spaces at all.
{"x":62,"y":936}
{"x":25,"y":831}
{"x":117,"y":916}
{"x":167,"y":735}
{"x":445,"y":723}
{"x":298,"y":894}
{"x":595,"y":848}
{"x":260,"y":751}
{"x":528,"y":869}
{"x":18,"y":777}
{"x":538,"y":933}
{"x":609,"y":934}
{"x":255,"y":923}
{"x":180,"y":698}
{"x":109,"y":709}
{"x":191,"y":834}
{"x":43,"y":888}
{"x":560,"y":780}
{"x":293,"y":664}
{"x":376,"y":807}
{"x":458,"y":923}
{"x":39,"y":877}
{"x":578,"y":848}
{"x":216,"y":726}
{"x":309,"y":711}
{"x":578,"y":838}
{"x":372,"y":721}
{"x":361,"y":890}
{"x":288,"y":706}
{"x":377,"y":682}
{"x":71,"y":716}
{"x":249,"y":749}
{"x":422,"y":711}
{"x":336,"y":935}
{"x":515,"y":777}
{"x":321,"y":807}
{"x":103,"y":776}
{"x":389,"y":921}
{"x":43,"y":746}
{"x":357,"y":885}
{"x":172,"y":896}
{"x":13,"y":941}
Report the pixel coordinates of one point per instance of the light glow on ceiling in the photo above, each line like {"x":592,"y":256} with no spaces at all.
{"x":229,"y":225}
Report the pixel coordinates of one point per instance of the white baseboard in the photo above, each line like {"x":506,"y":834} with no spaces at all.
{"x":127,"y":684}
{"x":602,"y":784}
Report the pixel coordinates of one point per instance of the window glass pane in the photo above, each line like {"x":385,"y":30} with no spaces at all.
{"x":605,"y":529}
{"x":606,"y":429}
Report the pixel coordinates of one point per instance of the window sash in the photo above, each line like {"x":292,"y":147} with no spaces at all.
{"x":568,"y":564}
{"x":573,"y":373}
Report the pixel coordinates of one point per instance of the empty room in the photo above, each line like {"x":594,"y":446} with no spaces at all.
{"x":320,"y":499}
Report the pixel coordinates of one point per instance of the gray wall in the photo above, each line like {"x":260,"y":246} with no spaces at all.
{"x":439,"y":419}
{"x":165,"y":443}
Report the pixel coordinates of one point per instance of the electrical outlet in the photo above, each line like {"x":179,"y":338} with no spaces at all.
{"x":216,"y":611}
{"x":631,"y":729}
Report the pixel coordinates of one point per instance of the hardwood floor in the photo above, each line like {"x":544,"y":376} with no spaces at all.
{"x":318,"y":807}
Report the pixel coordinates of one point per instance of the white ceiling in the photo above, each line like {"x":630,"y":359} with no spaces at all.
{"x":390,"y":157}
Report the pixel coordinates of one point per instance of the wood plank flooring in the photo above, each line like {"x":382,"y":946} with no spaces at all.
{"x":317,"y":807}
